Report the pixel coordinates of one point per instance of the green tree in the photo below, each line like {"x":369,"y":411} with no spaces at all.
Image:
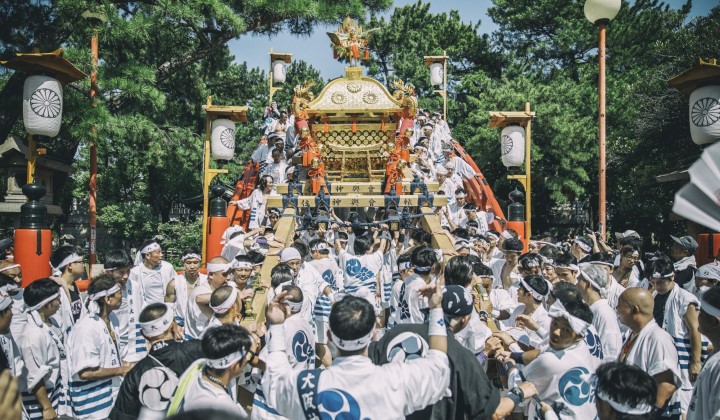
{"x":159,"y":61}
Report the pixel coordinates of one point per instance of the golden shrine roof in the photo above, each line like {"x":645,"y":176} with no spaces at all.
{"x":354,"y":94}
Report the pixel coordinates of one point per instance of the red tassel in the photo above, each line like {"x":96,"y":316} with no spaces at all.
{"x":354,"y":124}
{"x":382,"y":125}
{"x":335,"y":54}
{"x":355,"y":52}
{"x":367,"y":54}
{"x":326,"y":128}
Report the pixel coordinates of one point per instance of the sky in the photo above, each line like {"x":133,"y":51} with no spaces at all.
{"x":315,"y":49}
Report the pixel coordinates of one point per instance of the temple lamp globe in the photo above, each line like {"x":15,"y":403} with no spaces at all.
{"x":600,"y":13}
{"x":278,"y":64}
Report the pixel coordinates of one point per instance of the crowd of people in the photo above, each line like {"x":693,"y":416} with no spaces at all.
{"x":362,"y":322}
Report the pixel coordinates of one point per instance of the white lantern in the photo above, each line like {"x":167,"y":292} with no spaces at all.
{"x":512,"y":146}
{"x":222,"y":145}
{"x":600,"y":10}
{"x":278,"y":69}
{"x":705,"y":114}
{"x":436,"y":74}
{"x":42,"y":105}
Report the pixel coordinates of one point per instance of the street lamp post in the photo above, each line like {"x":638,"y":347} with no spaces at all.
{"x":96,"y":19}
{"x":601,"y":12}
{"x":223,"y":136}
{"x":278,"y":62}
{"x":516,"y":144}
{"x":438,"y":64}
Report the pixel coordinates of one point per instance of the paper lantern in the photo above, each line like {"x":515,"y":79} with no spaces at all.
{"x":513,"y":146}
{"x":705,"y":114}
{"x":42,"y":105}
{"x":436,"y":74}
{"x":278,"y":69}
{"x":222,"y":145}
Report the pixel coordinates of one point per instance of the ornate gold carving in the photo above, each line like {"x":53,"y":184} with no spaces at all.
{"x":370,"y":98}
{"x":338,"y":98}
{"x":354,"y":87}
{"x":406,"y":95}
{"x":349,"y":40}
{"x":303,"y":97}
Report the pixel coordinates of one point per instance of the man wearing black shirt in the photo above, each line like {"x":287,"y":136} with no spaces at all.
{"x":473,"y":396}
{"x":145,"y":386}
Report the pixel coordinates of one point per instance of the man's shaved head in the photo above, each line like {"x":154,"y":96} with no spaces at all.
{"x":218,"y":260}
{"x":642,"y":298}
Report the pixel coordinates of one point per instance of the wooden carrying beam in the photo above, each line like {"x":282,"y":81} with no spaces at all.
{"x":284,"y":235}
{"x":357,"y":188}
{"x":357,"y":201}
{"x":431,"y":223}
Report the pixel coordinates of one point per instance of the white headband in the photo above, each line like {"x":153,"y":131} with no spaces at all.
{"x":507,"y":235}
{"x":708,"y":308}
{"x":43,"y":303}
{"x":158,"y":326}
{"x":295,"y":307}
{"x":352,"y":345}
{"x":9,"y":288}
{"x":533,"y":292}
{"x":532,"y":263}
{"x":321,"y":246}
{"x":92,"y":305}
{"x":404,"y":266}
{"x":5,"y":300}
{"x":622,"y":408}
{"x":9,"y":267}
{"x":191,"y":256}
{"x":461,"y":244}
{"x":229,"y":302}
{"x":585,"y":247}
{"x":149,"y":248}
{"x":657,"y":275}
{"x":557,"y":310}
{"x":460,"y":195}
{"x":74,"y":257}
{"x":215,"y":267}
{"x":241,"y":264}
{"x":225,"y":362}
{"x":573,"y":267}
{"x":601,"y":290}
{"x":423,"y":270}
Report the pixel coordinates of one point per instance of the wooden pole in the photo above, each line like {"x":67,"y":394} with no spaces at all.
{"x":92,"y":217}
{"x":445,"y":85}
{"x":601,"y":123}
{"x":528,"y":196}
{"x":206,"y":182}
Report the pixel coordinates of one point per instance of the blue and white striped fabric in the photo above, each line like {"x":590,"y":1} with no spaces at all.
{"x":322,"y":307}
{"x":140,"y":343}
{"x":32,"y":406}
{"x":91,"y":397}
{"x":684,"y":350}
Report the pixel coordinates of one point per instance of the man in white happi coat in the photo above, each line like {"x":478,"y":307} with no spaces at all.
{"x":42,"y":344}
{"x":199,"y":311}
{"x":353,"y":386}
{"x":705,"y":401}
{"x":412,"y":307}
{"x":95,"y":364}
{"x":207,"y":383}
{"x":650,"y":348}
{"x":307,"y":278}
{"x":676,"y":311}
{"x":147,"y":283}
{"x":591,"y":283}
{"x":562,"y":368}
{"x":180,"y":287}
{"x":623,"y":391}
